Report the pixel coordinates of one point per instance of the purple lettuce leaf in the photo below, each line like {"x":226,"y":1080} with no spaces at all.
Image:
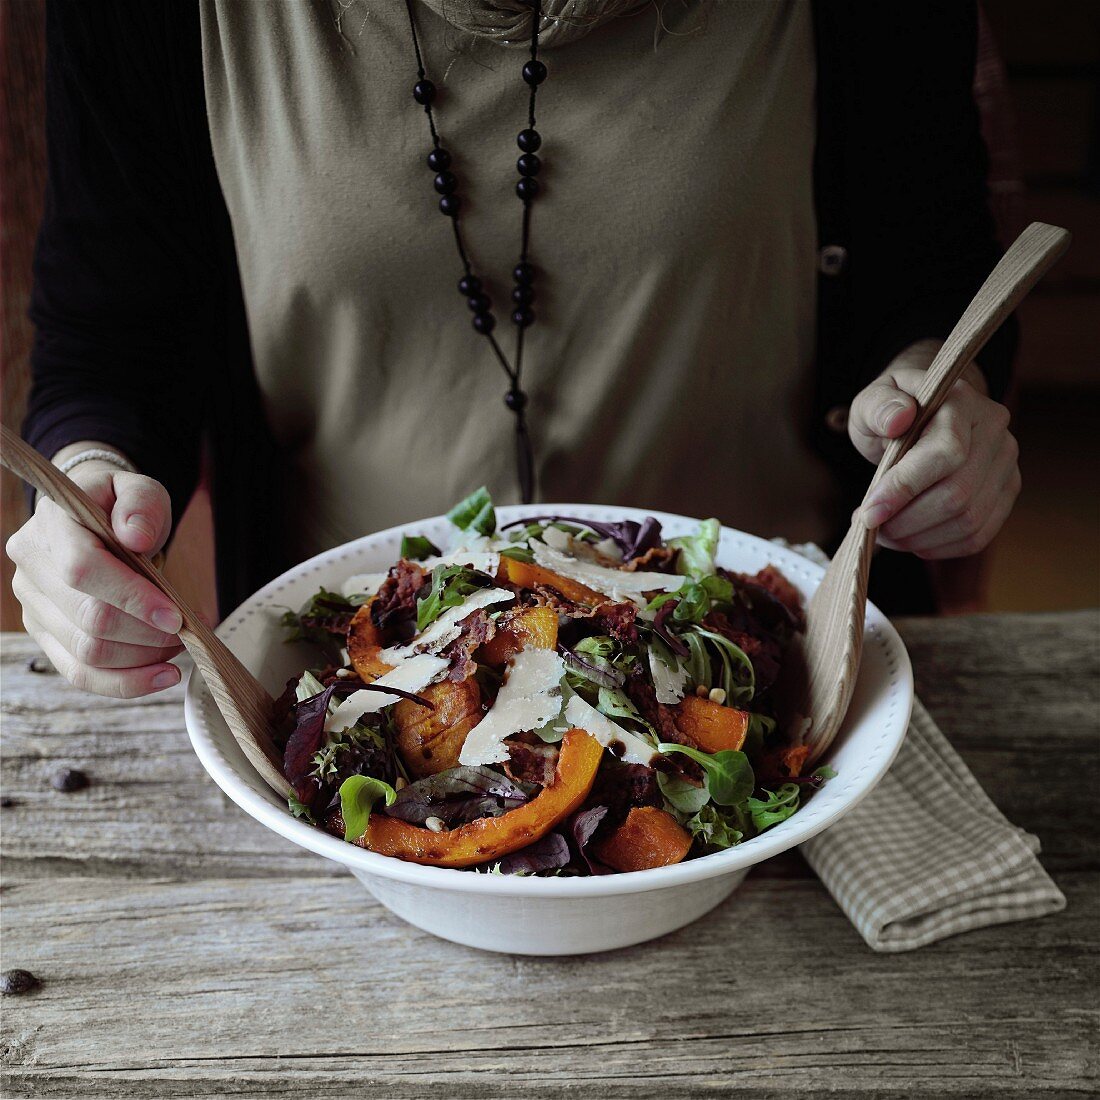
{"x":548,"y":853}
{"x":308,"y":735}
{"x":631,"y":537}
{"x":457,"y":796}
{"x":609,"y":677}
{"x":582,"y":825}
{"x":659,"y":627}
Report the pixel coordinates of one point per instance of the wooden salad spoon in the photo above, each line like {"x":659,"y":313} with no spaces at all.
{"x":244,"y":702}
{"x":822,"y":683}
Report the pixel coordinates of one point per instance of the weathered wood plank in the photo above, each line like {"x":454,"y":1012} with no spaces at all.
{"x":188,"y":952}
{"x":262,"y":986}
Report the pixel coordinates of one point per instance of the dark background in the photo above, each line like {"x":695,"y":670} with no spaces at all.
{"x":1039,"y":81}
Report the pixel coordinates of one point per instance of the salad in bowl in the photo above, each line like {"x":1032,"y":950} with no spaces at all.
{"x":553,"y":696}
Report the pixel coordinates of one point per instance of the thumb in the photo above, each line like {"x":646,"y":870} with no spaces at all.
{"x":881,"y":412}
{"x":142,"y":513}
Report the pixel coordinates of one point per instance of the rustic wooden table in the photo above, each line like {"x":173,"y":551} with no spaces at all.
{"x":186,"y":951}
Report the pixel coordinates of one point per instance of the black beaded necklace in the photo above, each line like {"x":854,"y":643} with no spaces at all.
{"x":470,"y":286}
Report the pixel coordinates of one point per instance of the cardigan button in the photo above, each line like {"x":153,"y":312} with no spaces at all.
{"x":832,"y":259}
{"x":836,"y":419}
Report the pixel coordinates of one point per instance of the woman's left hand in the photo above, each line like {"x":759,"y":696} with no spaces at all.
{"x":954,"y":489}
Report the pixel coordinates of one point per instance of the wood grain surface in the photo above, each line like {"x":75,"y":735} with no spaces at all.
{"x":185,"y":951}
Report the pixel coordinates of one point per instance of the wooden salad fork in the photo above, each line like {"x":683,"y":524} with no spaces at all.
{"x":822,"y":682}
{"x":245,"y":704}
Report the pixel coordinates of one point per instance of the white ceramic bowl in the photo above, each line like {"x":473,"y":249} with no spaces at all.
{"x":554,"y":916}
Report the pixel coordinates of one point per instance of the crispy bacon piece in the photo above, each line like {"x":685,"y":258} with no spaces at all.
{"x":477,"y":628}
{"x":771,"y":580}
{"x":764,"y":650}
{"x":393,"y":609}
{"x":531,"y":760}
{"x":657,"y":558}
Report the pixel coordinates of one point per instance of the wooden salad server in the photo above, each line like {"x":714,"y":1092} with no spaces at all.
{"x":244,"y":702}
{"x":822,"y":683}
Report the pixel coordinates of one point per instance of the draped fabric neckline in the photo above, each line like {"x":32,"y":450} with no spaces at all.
{"x":508,"y":22}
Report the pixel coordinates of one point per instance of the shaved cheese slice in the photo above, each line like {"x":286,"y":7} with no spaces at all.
{"x":580,"y":714}
{"x":558,"y":539}
{"x":668,"y":683}
{"x":485,"y":561}
{"x":365,"y":584}
{"x":414,"y":675}
{"x":617,"y":583}
{"x":528,"y":700}
{"x":447,"y":627}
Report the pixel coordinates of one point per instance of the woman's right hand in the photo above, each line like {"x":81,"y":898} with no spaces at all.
{"x":105,"y":628}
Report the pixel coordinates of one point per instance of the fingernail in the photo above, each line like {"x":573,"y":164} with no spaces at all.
{"x":876,"y":513}
{"x":167,"y":619}
{"x":167,"y":678}
{"x":887,"y":413}
{"x":139,"y":523}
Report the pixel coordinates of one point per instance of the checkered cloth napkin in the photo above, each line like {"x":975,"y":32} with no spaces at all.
{"x":927,"y":854}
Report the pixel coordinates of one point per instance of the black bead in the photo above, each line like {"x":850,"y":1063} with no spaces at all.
{"x":468,"y":284}
{"x":527,"y":188}
{"x":423,"y":92}
{"x":523,"y":273}
{"x":68,"y":780}
{"x":516,"y":400}
{"x":528,"y":165}
{"x":439,"y":160}
{"x":445,"y":183}
{"x":529,"y":140}
{"x":18,"y":981}
{"x":484,"y":323}
{"x":479,"y":303}
{"x":534,"y":73}
{"x":524,"y":317}
{"x":523,"y":295}
{"x":449,"y":205}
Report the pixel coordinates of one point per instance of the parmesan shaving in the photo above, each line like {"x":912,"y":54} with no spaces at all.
{"x":529,"y":698}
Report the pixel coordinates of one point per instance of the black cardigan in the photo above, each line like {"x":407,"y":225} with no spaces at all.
{"x":141,"y":339}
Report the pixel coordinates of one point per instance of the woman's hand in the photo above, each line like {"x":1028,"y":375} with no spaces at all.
{"x":954,"y":489}
{"x":105,"y":628}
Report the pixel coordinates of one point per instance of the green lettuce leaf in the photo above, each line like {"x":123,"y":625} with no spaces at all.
{"x":729,"y":774}
{"x":475,"y":513}
{"x":714,"y":829}
{"x":774,"y":807}
{"x":696,"y":557}
{"x":682,"y":795}
{"x":417,"y":548}
{"x":358,"y":794}
{"x":451,"y":584}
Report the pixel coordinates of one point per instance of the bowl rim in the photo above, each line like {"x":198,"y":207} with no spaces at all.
{"x":788,"y":834}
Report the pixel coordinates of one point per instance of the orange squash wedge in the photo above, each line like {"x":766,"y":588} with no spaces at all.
{"x":647,"y":838}
{"x":711,"y":726}
{"x":527,"y":575}
{"x":532,"y":628}
{"x":492,"y":837}
{"x":429,"y":740}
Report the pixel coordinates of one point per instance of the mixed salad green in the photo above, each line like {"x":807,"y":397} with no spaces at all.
{"x":557,"y":696}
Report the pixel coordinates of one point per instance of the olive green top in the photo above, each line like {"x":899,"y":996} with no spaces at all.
{"x":670,"y":365}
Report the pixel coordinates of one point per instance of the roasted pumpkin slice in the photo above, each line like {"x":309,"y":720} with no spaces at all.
{"x":711,"y":726}
{"x":430,"y":740}
{"x":490,"y":838}
{"x":531,"y":628}
{"x":647,"y":838}
{"x":526,"y":575}
{"x":365,"y":643}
